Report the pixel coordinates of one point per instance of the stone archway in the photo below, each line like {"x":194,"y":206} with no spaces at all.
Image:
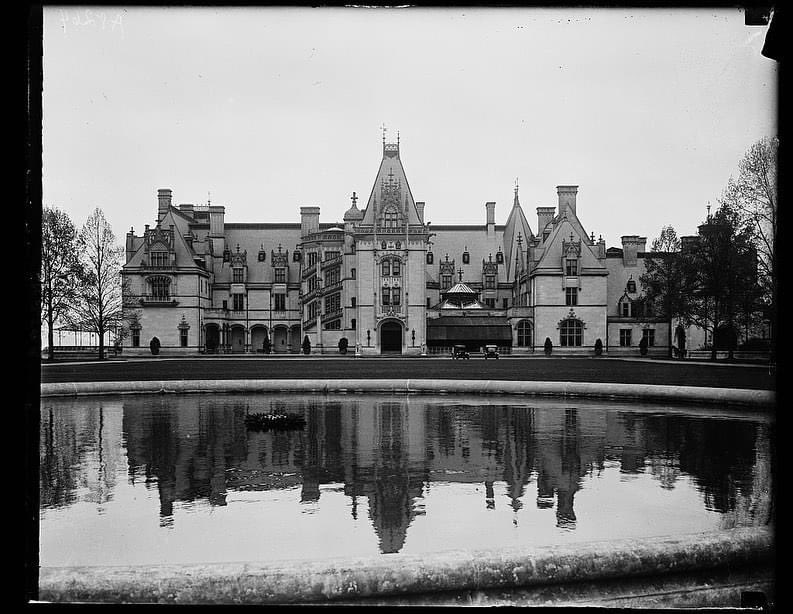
{"x":391,"y":337}
{"x":237,"y":339}
{"x":280,"y":340}
{"x":212,"y":341}
{"x":295,"y":340}
{"x":258,"y":336}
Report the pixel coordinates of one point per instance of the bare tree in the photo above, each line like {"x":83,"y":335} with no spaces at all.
{"x":59,"y":270}
{"x":752,"y":198}
{"x":99,"y":305}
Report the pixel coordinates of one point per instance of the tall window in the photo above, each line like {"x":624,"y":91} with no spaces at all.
{"x":396,"y":268}
{"x":183,"y":337}
{"x":490,"y":282}
{"x":649,"y":334}
{"x":571,"y":267}
{"x":333,"y":303}
{"x":136,"y":337}
{"x":390,"y":218}
{"x":466,"y":258}
{"x":446,"y":282}
{"x":352,"y":273}
{"x":524,"y":333}
{"x":571,"y":296}
{"x":391,"y":296}
{"x":238,"y":302}
{"x":313,"y":307}
{"x":352,"y":324}
{"x":159,"y":259}
{"x":625,"y":309}
{"x":386,"y":268}
{"x":429,"y":303}
{"x":279,"y":302}
{"x":625,"y":337}
{"x":333,"y":276}
{"x":353,"y":301}
{"x":236,"y":276}
{"x":160,"y":288}
{"x":312,"y":258}
{"x":500,"y":257}
{"x":280,"y":275}
{"x":490,"y":302}
{"x":570,"y":333}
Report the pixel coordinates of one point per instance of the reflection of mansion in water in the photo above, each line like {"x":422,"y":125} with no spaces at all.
{"x":387,"y":454}
{"x":384,"y":279}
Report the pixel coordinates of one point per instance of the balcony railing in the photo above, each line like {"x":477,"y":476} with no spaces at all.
{"x":336,"y":285}
{"x":309,"y":323}
{"x":309,"y":270}
{"x":331,"y":261}
{"x":159,"y":301}
{"x":332,"y":315}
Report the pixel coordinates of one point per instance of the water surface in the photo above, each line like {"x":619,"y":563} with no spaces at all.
{"x":130,"y":480}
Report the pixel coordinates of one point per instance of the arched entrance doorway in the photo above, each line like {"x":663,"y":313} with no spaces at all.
{"x":279,"y":339}
{"x":212,"y":338}
{"x":258,"y":336}
{"x":237,"y":339}
{"x":391,"y":337}
{"x":294,"y":340}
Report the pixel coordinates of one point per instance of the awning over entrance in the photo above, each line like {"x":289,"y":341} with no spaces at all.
{"x":475,"y":331}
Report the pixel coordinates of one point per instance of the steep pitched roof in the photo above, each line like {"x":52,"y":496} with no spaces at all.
{"x":390,"y":189}
{"x":564,"y":226}
{"x":516,"y":226}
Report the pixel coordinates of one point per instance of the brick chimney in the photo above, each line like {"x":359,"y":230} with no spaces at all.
{"x":163,"y":202}
{"x":216,"y":224}
{"x":309,"y":220}
{"x":490,"y":208}
{"x":567,"y":194}
{"x":544,"y":216}
{"x":631,"y":246}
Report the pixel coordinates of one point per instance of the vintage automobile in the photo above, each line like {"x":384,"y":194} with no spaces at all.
{"x":459,"y":351}
{"x":491,"y":351}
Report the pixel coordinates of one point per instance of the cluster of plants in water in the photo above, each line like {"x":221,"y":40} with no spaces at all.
{"x":267,"y":421}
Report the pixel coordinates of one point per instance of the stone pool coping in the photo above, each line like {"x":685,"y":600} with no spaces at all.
{"x":398,"y":574}
{"x":645,"y":392}
{"x":393,"y":575}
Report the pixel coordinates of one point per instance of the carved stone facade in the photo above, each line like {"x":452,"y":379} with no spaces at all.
{"x":377,"y":277}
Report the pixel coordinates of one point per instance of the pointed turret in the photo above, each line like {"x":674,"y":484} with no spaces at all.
{"x":516,"y":226}
{"x":391,"y":200}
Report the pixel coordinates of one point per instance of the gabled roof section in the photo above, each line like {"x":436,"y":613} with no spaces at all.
{"x":184,"y":253}
{"x":391,"y":189}
{"x":567,"y":231}
{"x":517,"y":234}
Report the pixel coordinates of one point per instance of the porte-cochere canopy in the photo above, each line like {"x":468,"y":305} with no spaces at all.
{"x":468,"y":330}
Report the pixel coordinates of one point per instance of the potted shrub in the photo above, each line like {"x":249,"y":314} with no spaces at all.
{"x":266,"y":346}
{"x":643,"y":346}
{"x":548,"y":346}
{"x":306,"y":345}
{"x":154,"y":345}
{"x":343,"y":345}
{"x":598,"y":347}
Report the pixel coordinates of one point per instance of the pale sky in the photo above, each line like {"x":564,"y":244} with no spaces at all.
{"x":265,"y":110}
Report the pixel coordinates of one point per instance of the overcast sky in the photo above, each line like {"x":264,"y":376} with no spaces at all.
{"x":264,"y":110}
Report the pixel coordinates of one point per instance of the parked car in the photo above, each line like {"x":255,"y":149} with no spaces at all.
{"x":459,"y":351}
{"x":491,"y":351}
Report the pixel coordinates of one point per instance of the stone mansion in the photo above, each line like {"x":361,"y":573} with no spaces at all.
{"x":384,"y":279}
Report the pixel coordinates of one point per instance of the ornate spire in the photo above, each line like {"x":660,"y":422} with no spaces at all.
{"x":516,"y":202}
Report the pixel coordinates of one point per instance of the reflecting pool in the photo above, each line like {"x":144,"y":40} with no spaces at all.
{"x":131,"y":480}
